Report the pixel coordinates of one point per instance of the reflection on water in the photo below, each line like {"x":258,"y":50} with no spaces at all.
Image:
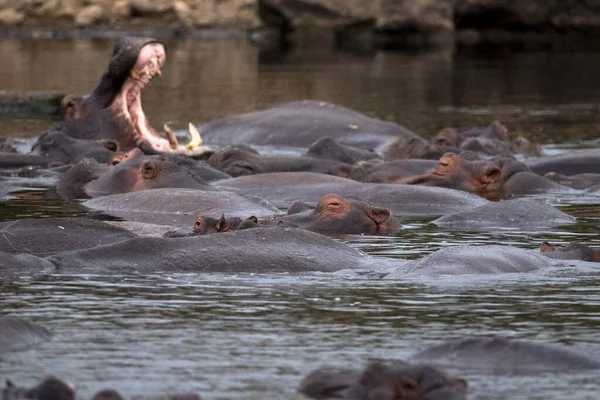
{"x":254,"y":336}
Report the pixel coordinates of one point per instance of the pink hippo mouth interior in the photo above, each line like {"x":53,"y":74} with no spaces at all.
{"x":149,"y":62}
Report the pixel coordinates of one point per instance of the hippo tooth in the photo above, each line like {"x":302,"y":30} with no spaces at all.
{"x":171,"y":137}
{"x":196,"y":139}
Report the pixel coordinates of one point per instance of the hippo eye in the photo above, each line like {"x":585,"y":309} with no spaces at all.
{"x":71,"y":103}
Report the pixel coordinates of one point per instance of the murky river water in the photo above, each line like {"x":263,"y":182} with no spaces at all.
{"x":255,"y":336}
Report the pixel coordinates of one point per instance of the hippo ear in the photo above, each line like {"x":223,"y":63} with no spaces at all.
{"x":491,"y":174}
{"x":379,"y":215}
{"x":546,"y":248}
{"x":149,"y":170}
{"x":460,"y":382}
{"x":222,"y":225}
{"x":252,"y":219}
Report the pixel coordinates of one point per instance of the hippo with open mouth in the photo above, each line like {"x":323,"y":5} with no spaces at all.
{"x":113,"y":110}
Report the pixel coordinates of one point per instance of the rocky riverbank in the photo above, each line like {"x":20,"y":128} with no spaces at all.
{"x":467,"y":19}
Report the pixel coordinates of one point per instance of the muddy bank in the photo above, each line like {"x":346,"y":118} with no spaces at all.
{"x":469,"y":21}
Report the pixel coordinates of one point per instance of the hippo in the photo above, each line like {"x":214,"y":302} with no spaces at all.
{"x":174,"y":206}
{"x":575,"y":162}
{"x":515,"y":213}
{"x":151,"y":172}
{"x":332,"y":215}
{"x":389,"y":171}
{"x":383,"y":381}
{"x":459,"y":260}
{"x":52,"y":388}
{"x":113,"y":110}
{"x":242,"y":160}
{"x":416,"y":148}
{"x":329,"y":149}
{"x":505,"y":356}
{"x":300,"y":124}
{"x":492,"y":179}
{"x":579,"y":181}
{"x":572,"y":251}
{"x":46,"y":236}
{"x":283,"y":188}
{"x":17,"y":334}
{"x":287,"y":250}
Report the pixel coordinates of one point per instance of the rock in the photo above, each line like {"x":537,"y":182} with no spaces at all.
{"x":89,"y":15}
{"x":184,"y":12}
{"x":145,"y":8}
{"x":415,"y":15}
{"x":11,"y":17}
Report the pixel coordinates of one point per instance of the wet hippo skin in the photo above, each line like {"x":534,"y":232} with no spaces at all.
{"x":242,"y":160}
{"x":573,"y":163}
{"x":505,"y":356}
{"x":282,"y":189}
{"x":572,"y":251}
{"x":329,"y":149}
{"x":281,"y":250}
{"x":300,"y":124}
{"x":17,"y":334}
{"x":383,"y":381}
{"x":332,"y":215}
{"x":457,"y":260}
{"x":523,"y":213}
{"x":46,"y":236}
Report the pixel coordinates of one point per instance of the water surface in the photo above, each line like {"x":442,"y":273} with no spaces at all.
{"x":254,"y":336}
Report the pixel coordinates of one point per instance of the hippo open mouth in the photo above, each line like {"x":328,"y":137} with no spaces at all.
{"x":128,"y":102}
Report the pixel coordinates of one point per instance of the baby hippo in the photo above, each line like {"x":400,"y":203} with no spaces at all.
{"x":572,"y":251}
{"x":383,"y":381}
{"x":332,"y":215}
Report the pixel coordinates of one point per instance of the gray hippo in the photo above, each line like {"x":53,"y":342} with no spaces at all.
{"x":300,"y":124}
{"x":573,"y":163}
{"x":284,"y":188}
{"x":458,"y":260}
{"x":572,"y":251}
{"x":259,"y":250}
{"x":17,"y":334}
{"x":515,"y":213}
{"x":332,"y":215}
{"x":492,"y":179}
{"x":46,"y":236}
{"x":242,"y":160}
{"x":113,"y":110}
{"x":329,"y":149}
{"x":505,"y":356}
{"x":383,"y":381}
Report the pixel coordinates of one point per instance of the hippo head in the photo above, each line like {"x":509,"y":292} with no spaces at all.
{"x":206,"y":225}
{"x":397,"y":380}
{"x":572,"y":251}
{"x":107,"y":394}
{"x":63,"y":149}
{"x":334,"y":215}
{"x":447,"y":137}
{"x":237,"y":160}
{"x":452,"y":171}
{"x":141,"y":172}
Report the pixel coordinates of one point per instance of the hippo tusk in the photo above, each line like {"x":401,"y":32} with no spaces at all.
{"x":196,"y":139}
{"x":171,"y":137}
{"x":134,"y":75}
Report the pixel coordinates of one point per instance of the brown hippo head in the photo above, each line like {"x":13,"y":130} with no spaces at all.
{"x":206,"y":225}
{"x":572,"y":251}
{"x":336,"y":215}
{"x":397,"y":380}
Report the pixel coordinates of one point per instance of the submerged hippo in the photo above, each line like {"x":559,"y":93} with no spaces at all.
{"x":329,"y":149}
{"x":389,"y":171}
{"x":579,"y":181}
{"x":505,"y":356}
{"x":46,"y":236}
{"x":300,"y":124}
{"x":458,"y":260}
{"x":490,"y":179}
{"x":281,"y":250}
{"x":332,"y":215}
{"x":573,"y":163}
{"x":515,"y":213}
{"x":283,"y":188}
{"x":17,"y":334}
{"x":113,"y":110}
{"x":572,"y":251}
{"x":242,"y":160}
{"x":397,"y":380}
